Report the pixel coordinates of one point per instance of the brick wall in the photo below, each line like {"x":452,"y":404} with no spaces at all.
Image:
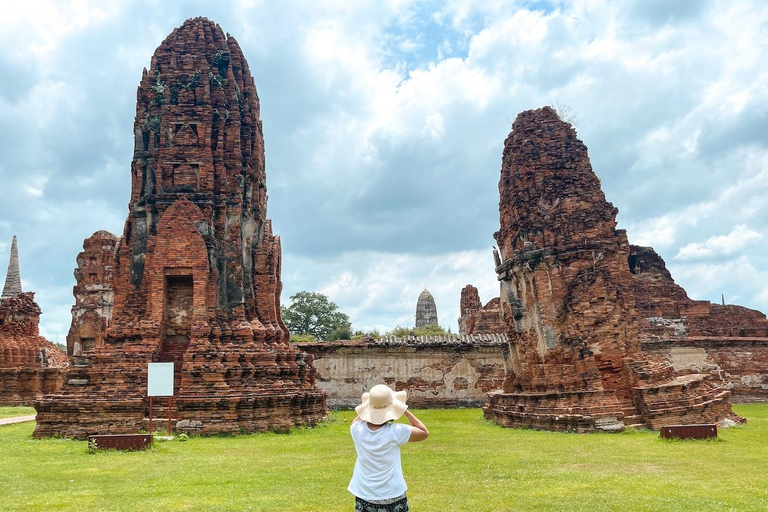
{"x":437,"y":371}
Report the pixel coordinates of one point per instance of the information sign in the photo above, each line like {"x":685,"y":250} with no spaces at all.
{"x":160,"y":379}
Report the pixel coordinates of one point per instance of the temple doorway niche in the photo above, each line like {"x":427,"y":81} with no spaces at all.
{"x":83,"y":344}
{"x":178,"y":305}
{"x":179,"y":296}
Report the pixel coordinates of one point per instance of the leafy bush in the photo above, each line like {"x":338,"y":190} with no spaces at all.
{"x":302,"y":338}
{"x":427,"y":330}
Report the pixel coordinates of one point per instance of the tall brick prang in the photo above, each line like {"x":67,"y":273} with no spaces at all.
{"x":568,"y":302}
{"x":196,"y":277}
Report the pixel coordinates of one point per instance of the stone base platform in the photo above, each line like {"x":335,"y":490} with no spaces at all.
{"x":201,"y":415}
{"x":687,"y":399}
{"x":581,"y":411}
{"x":83,"y":416}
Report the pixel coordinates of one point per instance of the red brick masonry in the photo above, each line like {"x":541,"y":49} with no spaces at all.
{"x":476,"y":318}
{"x":30,"y":365}
{"x":196,"y":277}
{"x":568,"y":301}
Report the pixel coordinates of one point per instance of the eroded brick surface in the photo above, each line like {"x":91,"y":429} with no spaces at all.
{"x":739,"y":364}
{"x":30,"y":365}
{"x":196,"y":278}
{"x":476,"y":318}
{"x":93,"y":293}
{"x":666,"y":311}
{"x":729,"y":342}
{"x":568,"y":300}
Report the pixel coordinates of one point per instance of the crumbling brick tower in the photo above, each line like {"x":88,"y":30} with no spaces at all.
{"x":469,"y":306}
{"x":94,"y":296}
{"x":197,"y":270}
{"x":568,"y":302}
{"x":476,"y":318}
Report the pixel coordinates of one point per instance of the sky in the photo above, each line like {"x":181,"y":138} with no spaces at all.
{"x":384,"y":125}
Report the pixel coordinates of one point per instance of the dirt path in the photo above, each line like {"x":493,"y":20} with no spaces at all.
{"x":17,"y":419}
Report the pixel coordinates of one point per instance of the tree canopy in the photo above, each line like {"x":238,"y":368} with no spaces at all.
{"x":427,"y":330}
{"x":312,"y":314}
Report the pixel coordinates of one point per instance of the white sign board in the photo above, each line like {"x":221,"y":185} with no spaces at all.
{"x":160,"y":379}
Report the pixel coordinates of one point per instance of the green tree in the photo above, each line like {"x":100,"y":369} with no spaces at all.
{"x":311,"y":313}
{"x":341,"y":333}
{"x":373,"y":333}
{"x":401,"y":332}
{"x":427,"y":330}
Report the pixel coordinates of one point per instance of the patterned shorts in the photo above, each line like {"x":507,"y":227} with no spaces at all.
{"x":399,"y":504}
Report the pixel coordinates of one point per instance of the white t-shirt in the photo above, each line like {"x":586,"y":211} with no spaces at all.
{"x":378,"y":473}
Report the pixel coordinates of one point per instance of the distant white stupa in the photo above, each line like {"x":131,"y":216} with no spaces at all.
{"x":426,"y":310}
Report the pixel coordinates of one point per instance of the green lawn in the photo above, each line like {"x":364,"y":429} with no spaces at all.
{"x":10,"y":412}
{"x":467,"y":464}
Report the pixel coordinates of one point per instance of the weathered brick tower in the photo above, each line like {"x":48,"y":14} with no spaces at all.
{"x":30,"y":365}
{"x":197,"y":271}
{"x":568,"y":301}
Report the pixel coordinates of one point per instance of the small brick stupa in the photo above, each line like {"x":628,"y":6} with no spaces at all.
{"x":568,"y":302}
{"x":196,"y":276}
{"x":30,"y":365}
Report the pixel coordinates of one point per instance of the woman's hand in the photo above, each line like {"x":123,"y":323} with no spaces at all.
{"x":418,"y":431}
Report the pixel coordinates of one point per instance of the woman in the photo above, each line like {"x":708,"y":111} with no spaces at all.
{"x":377,"y":481}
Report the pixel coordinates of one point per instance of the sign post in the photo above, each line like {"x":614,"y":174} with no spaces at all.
{"x":160,"y":383}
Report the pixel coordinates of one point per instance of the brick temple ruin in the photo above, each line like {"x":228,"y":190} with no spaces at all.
{"x":476,"y":318}
{"x":195,"y":277}
{"x":30,"y":365}
{"x":569,"y":300}
{"x":729,"y":342}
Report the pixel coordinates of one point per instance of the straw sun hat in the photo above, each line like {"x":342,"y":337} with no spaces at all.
{"x":381,"y":404}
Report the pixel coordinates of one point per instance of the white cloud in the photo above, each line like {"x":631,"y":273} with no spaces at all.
{"x":761,"y":299}
{"x":383,"y":167}
{"x":738,"y":279}
{"x":47,"y":22}
{"x":35,"y":186}
{"x":658,"y":234}
{"x":434,"y":126}
{"x":379,"y":290}
{"x":721,"y":245}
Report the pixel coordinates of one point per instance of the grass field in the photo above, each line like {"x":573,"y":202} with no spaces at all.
{"x":9,"y":412}
{"x":467,"y":464}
